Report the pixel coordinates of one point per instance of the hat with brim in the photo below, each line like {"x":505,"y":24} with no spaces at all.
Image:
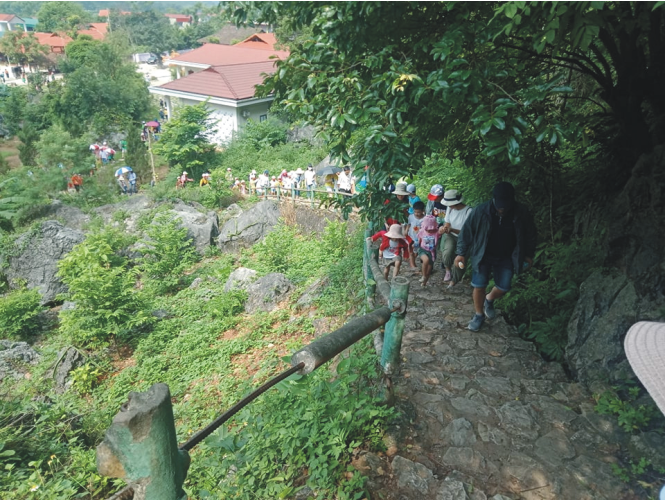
{"x":401,"y":188}
{"x":435,"y":192}
{"x":395,"y":231}
{"x":299,"y":171}
{"x":429,"y":223}
{"x":644,"y":346}
{"x":452,"y":197}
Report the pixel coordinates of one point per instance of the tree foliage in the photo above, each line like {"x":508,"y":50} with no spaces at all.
{"x":60,"y":16}
{"x":101,"y":90}
{"x":23,"y":48}
{"x":185,"y":140}
{"x":501,"y":87}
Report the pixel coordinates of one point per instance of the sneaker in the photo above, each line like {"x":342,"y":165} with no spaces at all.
{"x":447,"y":276}
{"x":489,"y":309}
{"x":476,"y":322}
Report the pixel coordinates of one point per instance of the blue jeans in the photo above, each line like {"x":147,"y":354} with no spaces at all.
{"x":502,"y":270}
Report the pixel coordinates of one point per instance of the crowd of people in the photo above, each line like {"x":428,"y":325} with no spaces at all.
{"x":296,"y":183}
{"x":496,"y":238}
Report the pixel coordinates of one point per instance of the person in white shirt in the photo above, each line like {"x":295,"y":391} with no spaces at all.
{"x":456,"y":215}
{"x":310,"y":180}
{"x":345,"y":180}
{"x":263,"y":182}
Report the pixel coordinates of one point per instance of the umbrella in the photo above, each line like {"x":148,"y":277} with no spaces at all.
{"x":152,"y":124}
{"x":329,"y":170}
{"x":123,"y":170}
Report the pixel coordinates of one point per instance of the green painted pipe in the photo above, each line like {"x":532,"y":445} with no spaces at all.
{"x":395,"y":326}
{"x":324,"y":348}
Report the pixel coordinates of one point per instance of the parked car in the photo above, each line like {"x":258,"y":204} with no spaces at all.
{"x":153,"y":59}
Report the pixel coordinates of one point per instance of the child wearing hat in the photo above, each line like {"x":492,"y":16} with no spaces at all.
{"x":393,"y":248}
{"x":412,"y":229}
{"x":428,"y":237}
{"x":412,"y":198}
{"x":456,"y":215}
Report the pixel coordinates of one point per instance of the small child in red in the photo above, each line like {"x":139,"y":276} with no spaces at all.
{"x":394,"y":248}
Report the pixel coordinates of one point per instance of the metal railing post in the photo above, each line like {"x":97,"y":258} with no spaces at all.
{"x":395,"y":326}
{"x":141,"y":448}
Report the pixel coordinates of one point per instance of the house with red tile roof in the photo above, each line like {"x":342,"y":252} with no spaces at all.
{"x":180,"y":20}
{"x":229,"y":90}
{"x":213,"y":54}
{"x":55,"y":41}
{"x":261,"y":41}
{"x":96,"y":30}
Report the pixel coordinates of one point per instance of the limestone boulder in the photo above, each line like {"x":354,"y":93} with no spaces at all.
{"x":249,"y":227}
{"x":202,"y":227}
{"x":70,"y":360}
{"x":240,"y":278}
{"x":13,"y":358}
{"x":267,"y":292}
{"x":69,"y":216}
{"x":36,"y":256}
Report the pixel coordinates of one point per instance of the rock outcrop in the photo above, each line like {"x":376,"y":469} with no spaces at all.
{"x":70,"y":360}
{"x":240,"y":278}
{"x":633,"y":289}
{"x":202,"y":228}
{"x":37,"y":255}
{"x":267,"y":292}
{"x":14,"y":355}
{"x":249,"y":227}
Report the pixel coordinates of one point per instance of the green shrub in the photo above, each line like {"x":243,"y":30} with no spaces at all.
{"x":108,"y":307}
{"x":167,"y":253}
{"x":19,"y":311}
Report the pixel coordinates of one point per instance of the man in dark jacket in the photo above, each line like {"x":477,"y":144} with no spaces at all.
{"x":499,"y":236}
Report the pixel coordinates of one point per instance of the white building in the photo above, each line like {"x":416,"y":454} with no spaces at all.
{"x":226,"y":76}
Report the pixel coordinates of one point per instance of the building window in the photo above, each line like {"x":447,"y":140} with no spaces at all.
{"x":263,"y":118}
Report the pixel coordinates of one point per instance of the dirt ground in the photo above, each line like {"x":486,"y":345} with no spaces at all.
{"x":11,"y":146}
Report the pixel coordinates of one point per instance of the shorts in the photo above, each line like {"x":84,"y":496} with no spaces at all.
{"x":502,"y":270}
{"x":421,"y":251}
{"x":390,"y":262}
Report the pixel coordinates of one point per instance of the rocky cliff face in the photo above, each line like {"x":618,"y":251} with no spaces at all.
{"x":632,"y":287}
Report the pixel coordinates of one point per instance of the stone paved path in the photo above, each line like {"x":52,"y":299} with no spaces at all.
{"x":485,"y":417}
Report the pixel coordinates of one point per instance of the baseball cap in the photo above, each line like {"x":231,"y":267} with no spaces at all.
{"x":504,"y":195}
{"x":435,"y":192}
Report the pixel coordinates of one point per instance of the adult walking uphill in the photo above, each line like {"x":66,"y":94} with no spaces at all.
{"x":499,"y":237}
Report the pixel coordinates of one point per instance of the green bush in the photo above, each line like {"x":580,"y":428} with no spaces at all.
{"x":108,"y":307}
{"x":300,"y":257}
{"x":166,"y":254}
{"x":19,"y":311}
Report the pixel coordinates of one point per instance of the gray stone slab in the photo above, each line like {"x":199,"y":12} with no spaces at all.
{"x":554,"y":448}
{"x":490,"y":434}
{"x":418,"y":358}
{"x":411,"y":476}
{"x":554,"y":412}
{"x":471,"y":408}
{"x":497,"y":387}
{"x":457,"y":382}
{"x":451,"y":489}
{"x":596,"y":475}
{"x":462,"y":341}
{"x":459,"y":433}
{"x":518,"y":419}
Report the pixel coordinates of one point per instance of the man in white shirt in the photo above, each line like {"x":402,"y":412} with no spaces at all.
{"x":456,"y":215}
{"x":310,"y":180}
{"x":345,"y":180}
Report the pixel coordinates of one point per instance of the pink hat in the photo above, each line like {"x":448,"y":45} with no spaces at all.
{"x":429,"y":223}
